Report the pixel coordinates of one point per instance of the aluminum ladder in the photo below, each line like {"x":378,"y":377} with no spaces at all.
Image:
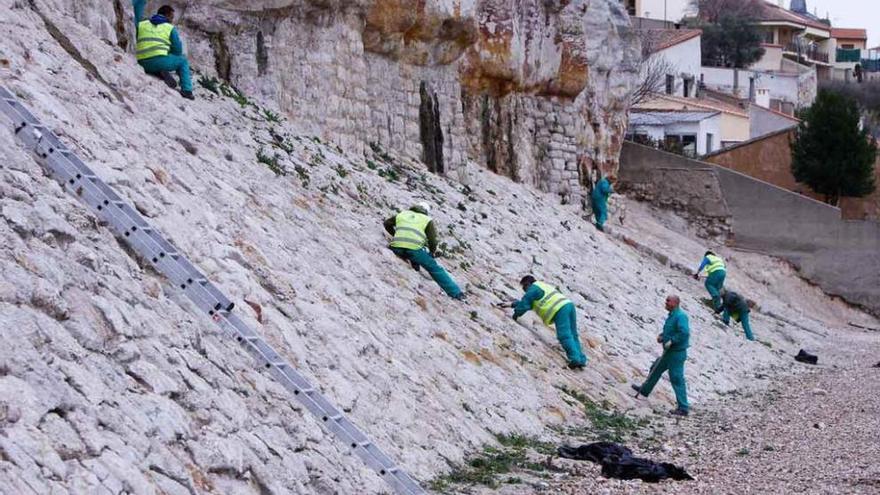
{"x":78,"y":179}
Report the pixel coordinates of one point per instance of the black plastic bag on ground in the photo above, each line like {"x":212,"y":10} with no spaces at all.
{"x":618,"y":462}
{"x":806,"y":357}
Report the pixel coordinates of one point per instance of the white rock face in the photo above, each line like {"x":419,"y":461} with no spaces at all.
{"x":109,"y":382}
{"x":536,"y":90}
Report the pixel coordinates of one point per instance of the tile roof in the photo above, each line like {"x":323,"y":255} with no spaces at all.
{"x":773,"y":12}
{"x":661,"y":39}
{"x":661,"y":117}
{"x":849,"y":33}
{"x":698,"y":103}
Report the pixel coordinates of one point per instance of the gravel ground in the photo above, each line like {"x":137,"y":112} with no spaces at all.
{"x":813,"y":429}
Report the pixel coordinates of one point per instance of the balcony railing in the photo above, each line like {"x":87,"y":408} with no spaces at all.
{"x":808,"y":52}
{"x":848,"y":55}
{"x":870,"y":65}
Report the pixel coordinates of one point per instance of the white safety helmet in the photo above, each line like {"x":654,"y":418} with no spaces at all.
{"x":423,"y":206}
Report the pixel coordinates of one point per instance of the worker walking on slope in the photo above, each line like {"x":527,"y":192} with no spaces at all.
{"x":159,"y":49}
{"x":552,"y":307}
{"x":675,"y":340}
{"x":735,"y":305}
{"x":715,"y":275}
{"x":599,"y":201}
{"x":413,"y":230}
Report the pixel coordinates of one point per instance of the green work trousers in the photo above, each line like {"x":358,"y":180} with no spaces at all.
{"x":673,"y":361}
{"x":567,"y":334}
{"x":714,"y":284}
{"x":424,"y":259}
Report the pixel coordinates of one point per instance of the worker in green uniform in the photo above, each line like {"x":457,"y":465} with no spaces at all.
{"x":553,"y":308}
{"x":599,"y":201}
{"x":413,"y":231}
{"x":675,"y":340}
{"x":733,"y":304}
{"x":716,"y":272}
{"x":159,"y":49}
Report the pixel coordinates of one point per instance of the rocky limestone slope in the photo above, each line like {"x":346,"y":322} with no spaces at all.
{"x":534,"y":89}
{"x":109,"y":382}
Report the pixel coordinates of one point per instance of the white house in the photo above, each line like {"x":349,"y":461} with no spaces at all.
{"x":677,"y":52}
{"x":661,"y":10}
{"x":697,"y":133}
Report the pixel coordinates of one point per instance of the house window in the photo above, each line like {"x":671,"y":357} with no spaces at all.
{"x":685,"y":144}
{"x":688,"y":84}
{"x":769,"y":36}
{"x":709,"y":138}
{"x":670,"y":84}
{"x":848,"y":46}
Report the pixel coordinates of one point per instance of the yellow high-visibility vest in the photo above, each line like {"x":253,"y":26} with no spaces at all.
{"x":153,"y":40}
{"x":550,"y":304}
{"x":715,"y":263}
{"x":409,"y":230}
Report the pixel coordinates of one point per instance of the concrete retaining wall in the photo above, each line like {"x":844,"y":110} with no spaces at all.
{"x":841,"y":256}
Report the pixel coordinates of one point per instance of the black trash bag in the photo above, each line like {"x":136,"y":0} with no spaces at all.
{"x":806,"y":357}
{"x":618,"y":462}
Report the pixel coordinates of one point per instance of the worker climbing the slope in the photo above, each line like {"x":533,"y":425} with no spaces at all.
{"x":599,"y":201}
{"x":675,"y":340}
{"x":159,"y":49}
{"x":413,"y":230}
{"x":736,"y":306}
{"x":715,"y":274}
{"x":552,"y":307}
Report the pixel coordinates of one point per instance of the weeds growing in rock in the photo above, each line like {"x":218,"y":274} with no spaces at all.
{"x":271,"y":162}
{"x":210,"y":83}
{"x":270,"y":116}
{"x":490,"y":465}
{"x":606,"y":424}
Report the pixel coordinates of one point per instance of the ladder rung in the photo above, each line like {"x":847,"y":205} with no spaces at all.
{"x":127,"y":221}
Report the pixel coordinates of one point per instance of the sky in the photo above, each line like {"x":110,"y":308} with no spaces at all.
{"x":850,"y":14}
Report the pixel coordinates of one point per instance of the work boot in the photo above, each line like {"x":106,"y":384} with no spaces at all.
{"x":576,"y":366}
{"x":460,"y":297}
{"x":168,"y":78}
{"x":415,"y":265}
{"x":187,"y":94}
{"x":678,"y":412}
{"x":638,"y":389}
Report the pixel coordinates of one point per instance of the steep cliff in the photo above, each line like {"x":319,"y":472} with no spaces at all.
{"x":109,"y":382}
{"x":535,"y":90}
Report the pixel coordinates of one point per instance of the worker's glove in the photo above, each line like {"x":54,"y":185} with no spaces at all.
{"x":667,"y":345}
{"x":660,"y":339}
{"x":697,"y":276}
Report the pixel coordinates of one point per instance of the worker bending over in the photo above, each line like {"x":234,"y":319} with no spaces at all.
{"x":553,"y":308}
{"x":736,"y":306}
{"x":413,"y":230}
{"x":715,"y":275}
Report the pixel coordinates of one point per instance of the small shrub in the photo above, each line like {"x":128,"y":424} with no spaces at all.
{"x":271,"y":162}
{"x":210,"y":83}
{"x":271,"y":116}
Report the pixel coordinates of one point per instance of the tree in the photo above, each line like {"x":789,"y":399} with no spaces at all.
{"x":732,"y":42}
{"x":730,"y":36}
{"x":653,"y":69}
{"x":711,"y":11}
{"x":830,"y":153}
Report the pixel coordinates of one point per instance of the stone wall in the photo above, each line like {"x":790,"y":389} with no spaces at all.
{"x":671,"y":181}
{"x":769,"y":219}
{"x":530,"y":90}
{"x":768,"y":158}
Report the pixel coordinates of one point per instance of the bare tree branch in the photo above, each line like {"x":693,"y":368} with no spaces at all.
{"x":653,"y":69}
